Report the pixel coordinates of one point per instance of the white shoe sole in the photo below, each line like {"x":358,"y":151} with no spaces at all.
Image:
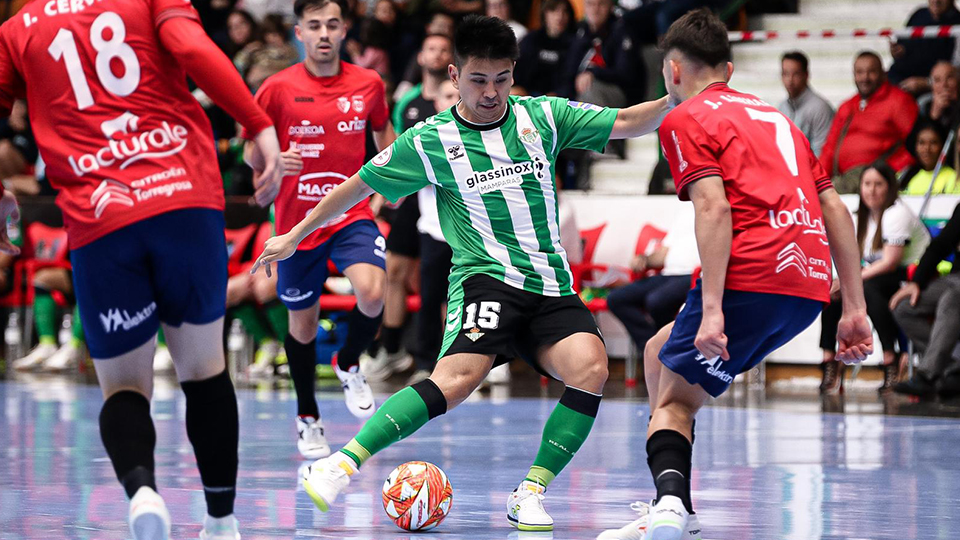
{"x":317,"y":453}
{"x":665,"y":532}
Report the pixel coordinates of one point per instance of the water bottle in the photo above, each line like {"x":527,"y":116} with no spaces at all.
{"x":12,"y":337}
{"x":66,"y":329}
{"x":236,"y":342}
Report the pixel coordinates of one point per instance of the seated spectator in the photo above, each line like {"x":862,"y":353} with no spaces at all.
{"x":371,"y":51}
{"x":603,"y":67}
{"x":440,"y":24}
{"x":501,"y":10}
{"x":243,"y":35}
{"x":931,"y":317}
{"x":276,"y":36}
{"x":253,"y":300}
{"x":540,"y":67}
{"x":806,"y":108}
{"x":871,"y":126}
{"x":914,"y":58}
{"x":891,"y":237}
{"x":649,"y":22}
{"x":926,"y":142}
{"x":651,"y":302}
{"x":48,"y":355}
{"x":940,"y":105}
{"x":18,"y":150}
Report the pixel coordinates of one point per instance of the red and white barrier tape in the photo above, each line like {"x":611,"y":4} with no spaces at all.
{"x":910,"y":32}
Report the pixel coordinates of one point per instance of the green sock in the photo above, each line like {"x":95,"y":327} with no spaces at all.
{"x":248,"y":316}
{"x":77,"y":327}
{"x":399,"y":417}
{"x":45,"y":316}
{"x":276,"y":314}
{"x":564,"y":433}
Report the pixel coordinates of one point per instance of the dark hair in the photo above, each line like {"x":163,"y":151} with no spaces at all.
{"x":552,"y":5}
{"x":799,"y":58}
{"x":254,"y":27}
{"x":863,"y":213}
{"x":924,"y":124}
{"x":274,"y":24}
{"x":302,"y":5}
{"x":374,"y":33}
{"x":701,"y":36}
{"x":869,"y":54}
{"x":488,"y":38}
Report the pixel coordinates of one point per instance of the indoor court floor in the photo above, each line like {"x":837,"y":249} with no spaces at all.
{"x":778,"y":470}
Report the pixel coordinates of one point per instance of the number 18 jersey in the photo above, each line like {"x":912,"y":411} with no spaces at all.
{"x":122,"y":137}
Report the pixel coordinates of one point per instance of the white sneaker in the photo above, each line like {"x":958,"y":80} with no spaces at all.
{"x":162,"y":360}
{"x":668,"y":519}
{"x":525,"y":508}
{"x":225,"y":528}
{"x":66,"y":358}
{"x":40,"y":354}
{"x":379,"y":368}
{"x":312,"y":444}
{"x":418,"y":376}
{"x":638,"y":528}
{"x":356,"y":391}
{"x":149,"y":518}
{"x":262,"y":365}
{"x":326,"y":478}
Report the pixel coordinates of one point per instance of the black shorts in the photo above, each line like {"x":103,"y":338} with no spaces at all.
{"x":404,"y":238}
{"x":487,"y":316}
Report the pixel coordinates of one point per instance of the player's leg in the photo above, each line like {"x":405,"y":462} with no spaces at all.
{"x":70,"y":353}
{"x":435,"y":263}
{"x":652,"y":364}
{"x":45,"y":282}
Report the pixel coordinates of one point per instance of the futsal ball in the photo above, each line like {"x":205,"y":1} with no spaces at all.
{"x":417,"y":496}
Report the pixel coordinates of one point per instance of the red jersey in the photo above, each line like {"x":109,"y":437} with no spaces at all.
{"x":772,"y":181}
{"x":122,"y":137}
{"x":326,"y":117}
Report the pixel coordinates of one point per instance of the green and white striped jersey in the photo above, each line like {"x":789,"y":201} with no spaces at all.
{"x":496,"y":194}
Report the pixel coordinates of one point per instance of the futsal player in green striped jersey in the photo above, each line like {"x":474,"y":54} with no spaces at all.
{"x":491,"y":159}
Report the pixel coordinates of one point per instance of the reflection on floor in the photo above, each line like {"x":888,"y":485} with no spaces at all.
{"x":765,"y":467}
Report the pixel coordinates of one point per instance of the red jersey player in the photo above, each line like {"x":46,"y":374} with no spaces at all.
{"x":321,"y":108}
{"x":131,"y":152}
{"x":767,"y":222}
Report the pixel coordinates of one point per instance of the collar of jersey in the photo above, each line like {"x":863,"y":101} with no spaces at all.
{"x":480,"y":127}
{"x":713,"y":85}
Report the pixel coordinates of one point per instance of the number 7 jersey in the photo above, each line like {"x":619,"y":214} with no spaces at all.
{"x":121,"y":135}
{"x":772,"y":181}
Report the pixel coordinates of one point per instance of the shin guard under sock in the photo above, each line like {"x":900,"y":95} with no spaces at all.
{"x":670,"y":455}
{"x":129,"y":438}
{"x":302,"y":359}
{"x":361,"y":330}
{"x":564,"y":433}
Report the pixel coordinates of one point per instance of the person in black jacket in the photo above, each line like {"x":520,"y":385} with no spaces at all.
{"x":540,"y":68}
{"x":603,"y":65}
{"x":915,"y":58}
{"x":938,"y":299}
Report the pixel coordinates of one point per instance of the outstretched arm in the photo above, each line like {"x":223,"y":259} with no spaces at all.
{"x":640,"y":119}
{"x":342,"y":198}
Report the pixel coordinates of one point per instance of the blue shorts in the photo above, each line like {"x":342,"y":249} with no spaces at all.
{"x":300,"y":278}
{"x":756,"y":324}
{"x":170,"y":268}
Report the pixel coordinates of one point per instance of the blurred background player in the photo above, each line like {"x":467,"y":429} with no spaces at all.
{"x":491,"y":160}
{"x":322,"y":106}
{"x":143,"y":205}
{"x":764,"y":279}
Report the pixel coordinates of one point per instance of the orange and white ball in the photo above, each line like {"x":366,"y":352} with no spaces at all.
{"x":417,"y":496}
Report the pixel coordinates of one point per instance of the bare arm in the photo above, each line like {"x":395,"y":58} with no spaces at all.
{"x":382,"y":139}
{"x":714,"y":230}
{"x":640,"y":119}
{"x":888,"y":262}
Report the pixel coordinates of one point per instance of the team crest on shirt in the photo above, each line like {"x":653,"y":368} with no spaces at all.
{"x":529,"y":135}
{"x":383,"y":158}
{"x":358,"y":103}
{"x":343,"y":104}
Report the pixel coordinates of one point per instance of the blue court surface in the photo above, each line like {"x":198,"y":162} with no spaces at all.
{"x":787,"y":471}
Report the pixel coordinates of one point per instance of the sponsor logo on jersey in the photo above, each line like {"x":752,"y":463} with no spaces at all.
{"x":310,"y":150}
{"x":314,"y":190}
{"x":529,"y":135}
{"x":676,"y":142}
{"x":474,"y":334}
{"x":584,"y":106}
{"x":116,"y":319}
{"x":165,"y":190}
{"x":713,"y":367}
{"x":305,"y":129}
{"x":456,"y":152}
{"x":501,"y":177}
{"x":797,"y":217}
{"x":383,"y":157}
{"x":343,"y":104}
{"x":357,"y":125}
{"x":412,"y":113}
{"x":107,"y":193}
{"x":172,"y":172}
{"x":303,"y":99}
{"x":125,"y":145}
{"x":358,"y":104}
{"x":294,"y":295}
{"x":793,"y":257}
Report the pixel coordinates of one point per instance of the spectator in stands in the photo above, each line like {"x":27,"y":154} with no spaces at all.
{"x":891,"y":237}
{"x":652,"y":301}
{"x":651,"y":20}
{"x":603,"y":66}
{"x":253,"y":300}
{"x":18,"y":151}
{"x":806,"y":108}
{"x":926,"y":142}
{"x":871,"y":126}
{"x":371,"y":51}
{"x":914,"y":58}
{"x":940,"y":104}
{"x":937,"y":299}
{"x":262,"y":9}
{"x":540,"y":67}
{"x":440,"y":23}
{"x":501,"y":10}
{"x":213,"y":16}
{"x":276,"y":36}
{"x":48,"y":355}
{"x":243,"y":34}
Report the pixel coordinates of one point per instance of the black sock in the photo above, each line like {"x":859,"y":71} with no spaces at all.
{"x":213,"y":429}
{"x":302,"y":359}
{"x":391,"y":339}
{"x":128,"y":435}
{"x":670,"y":455}
{"x":360,"y":332}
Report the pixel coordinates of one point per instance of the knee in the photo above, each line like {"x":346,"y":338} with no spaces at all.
{"x":369,"y":294}
{"x":456,"y":385}
{"x":303,"y":325}
{"x":590,"y":375}
{"x":264,"y":290}
{"x":396,"y":271}
{"x":651,"y":351}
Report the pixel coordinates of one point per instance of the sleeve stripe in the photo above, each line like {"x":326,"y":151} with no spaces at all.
{"x":823,"y":184}
{"x":697,"y":175}
{"x":173,"y":13}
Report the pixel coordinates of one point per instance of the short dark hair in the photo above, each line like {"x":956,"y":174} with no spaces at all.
{"x":302,"y":5}
{"x":869,"y":54}
{"x":799,"y":58}
{"x":701,"y":36}
{"x":553,"y":5}
{"x":488,"y":38}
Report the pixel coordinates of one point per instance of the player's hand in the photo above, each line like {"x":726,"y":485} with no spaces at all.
{"x":8,"y":209}
{"x":275,"y":249}
{"x":897,"y":50}
{"x":267,"y":183}
{"x":639,"y":264}
{"x":583,"y":82}
{"x":911,"y":290}
{"x":854,"y":338}
{"x":292,"y":161}
{"x":710,"y":340}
